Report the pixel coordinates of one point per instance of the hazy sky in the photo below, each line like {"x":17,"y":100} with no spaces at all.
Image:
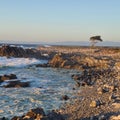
{"x":59,"y":20}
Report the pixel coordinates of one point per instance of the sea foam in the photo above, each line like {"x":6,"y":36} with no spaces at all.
{"x":19,"y":62}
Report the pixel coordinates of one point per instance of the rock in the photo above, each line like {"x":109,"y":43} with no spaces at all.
{"x":43,"y":65}
{"x":17,"y":118}
{"x":102,"y":117}
{"x":17,"y":84}
{"x":3,"y":118}
{"x":115,"y":117}
{"x":15,"y":51}
{"x":1,"y":79}
{"x":76,"y":77}
{"x":113,"y":97}
{"x":33,"y":114}
{"x":116,"y":105}
{"x":62,"y":61}
{"x":108,"y":88}
{"x":104,"y":90}
{"x":93,"y":104}
{"x":117,"y":66}
{"x":100,"y":91}
{"x":65,"y":97}
{"x":55,"y":116}
{"x":37,"y":113}
{"x":8,"y":77}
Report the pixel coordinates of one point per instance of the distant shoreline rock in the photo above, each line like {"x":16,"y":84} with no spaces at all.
{"x":14,"y":51}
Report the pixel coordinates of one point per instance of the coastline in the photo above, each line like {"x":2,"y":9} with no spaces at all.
{"x":98,"y":99}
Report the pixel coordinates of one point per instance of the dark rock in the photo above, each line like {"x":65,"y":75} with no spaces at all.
{"x":76,"y":77}
{"x":3,"y":118}
{"x":37,"y":113}
{"x":17,"y":84}
{"x":1,"y":79}
{"x":102,"y":117}
{"x":55,"y":116}
{"x":16,"y":118}
{"x":65,"y":97}
{"x":8,"y":77}
{"x":14,"y":51}
{"x":43,"y":65}
{"x":104,"y":90}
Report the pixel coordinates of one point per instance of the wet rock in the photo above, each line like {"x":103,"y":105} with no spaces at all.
{"x":43,"y":65}
{"x":15,"y":51}
{"x":102,"y":117}
{"x":17,"y":118}
{"x":55,"y":116}
{"x":17,"y":84}
{"x":33,"y":114}
{"x":65,"y":97}
{"x":37,"y":113}
{"x":8,"y":77}
{"x":117,"y":66}
{"x":3,"y":118}
{"x":76,"y":77}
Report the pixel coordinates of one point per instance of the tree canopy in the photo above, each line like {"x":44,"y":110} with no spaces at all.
{"x":95,"y":39}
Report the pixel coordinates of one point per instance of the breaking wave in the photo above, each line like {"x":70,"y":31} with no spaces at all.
{"x":19,"y":62}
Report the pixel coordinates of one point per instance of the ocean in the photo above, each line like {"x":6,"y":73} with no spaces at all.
{"x":47,"y":85}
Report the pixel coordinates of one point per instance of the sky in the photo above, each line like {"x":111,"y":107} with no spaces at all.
{"x":59,"y":20}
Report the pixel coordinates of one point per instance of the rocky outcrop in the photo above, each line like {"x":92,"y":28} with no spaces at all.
{"x":63,"y":61}
{"x":7,"y":77}
{"x":33,"y":114}
{"x":11,"y":83}
{"x":17,"y":84}
{"x":39,"y":114}
{"x":80,"y":62}
{"x":92,"y":76}
{"x":14,"y":51}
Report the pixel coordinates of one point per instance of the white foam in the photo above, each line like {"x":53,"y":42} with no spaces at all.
{"x":18,"y":62}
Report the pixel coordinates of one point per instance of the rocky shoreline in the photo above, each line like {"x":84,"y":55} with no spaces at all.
{"x":99,"y":83}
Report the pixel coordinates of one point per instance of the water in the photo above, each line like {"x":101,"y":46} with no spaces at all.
{"x":47,"y":85}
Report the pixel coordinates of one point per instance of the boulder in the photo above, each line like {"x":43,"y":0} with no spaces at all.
{"x":17,"y":84}
{"x":43,"y":65}
{"x":62,"y":61}
{"x":53,"y":115}
{"x":15,"y":51}
{"x":7,"y":77}
{"x":37,"y":114}
{"x":65,"y":97}
{"x":95,"y":103}
{"x":3,"y":118}
{"x":117,"y":117}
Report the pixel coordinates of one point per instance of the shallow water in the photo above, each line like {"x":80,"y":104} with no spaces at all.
{"x":47,"y":85}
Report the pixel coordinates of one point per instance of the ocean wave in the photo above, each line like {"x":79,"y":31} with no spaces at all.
{"x":19,"y":62}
